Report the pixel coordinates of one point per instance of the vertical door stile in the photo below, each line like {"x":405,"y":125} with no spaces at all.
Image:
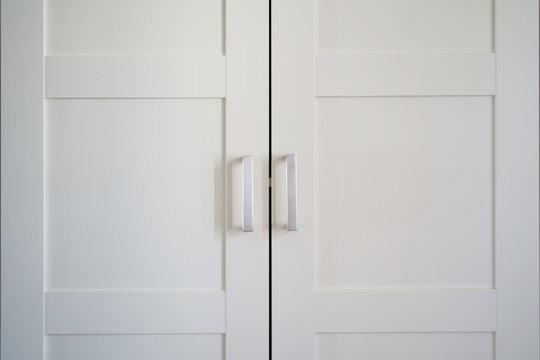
{"x":246,"y":118}
{"x":516,"y":174}
{"x":292,"y":127}
{"x":22,"y":180}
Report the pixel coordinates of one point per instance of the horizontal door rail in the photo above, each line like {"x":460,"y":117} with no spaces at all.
{"x":135,"y":76}
{"x":405,"y":74}
{"x":405,"y":310}
{"x":134,"y":312}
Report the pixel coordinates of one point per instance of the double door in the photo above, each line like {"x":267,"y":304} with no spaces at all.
{"x":244,"y":179}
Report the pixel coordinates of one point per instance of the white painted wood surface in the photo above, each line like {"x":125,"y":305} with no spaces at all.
{"x":135,"y":76}
{"x":405,"y":310}
{"x":135,"y":347}
{"x":387,"y":26}
{"x":127,"y":173}
{"x":397,"y":346}
{"x":246,"y":116}
{"x":407,"y":74}
{"x":516,"y":179}
{"x":125,"y":207}
{"x":483,"y":239}
{"x":293,"y":308}
{"x":134,"y":312}
{"x":425,"y":169}
{"x":122,"y":27}
{"x":418,"y":200}
{"x":22,"y":180}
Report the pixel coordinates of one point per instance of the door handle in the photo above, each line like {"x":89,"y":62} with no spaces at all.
{"x":290,"y":176}
{"x":247,"y":193}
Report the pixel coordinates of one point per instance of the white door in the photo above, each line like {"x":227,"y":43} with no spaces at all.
{"x":415,"y":129}
{"x":123,"y":128}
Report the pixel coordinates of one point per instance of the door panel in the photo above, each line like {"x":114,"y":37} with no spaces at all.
{"x":125,"y":206}
{"x":403,"y":192}
{"x":395,"y":346}
{"x":135,"y":173}
{"x":144,"y":122}
{"x":137,"y":347}
{"x":136,"y":27}
{"x":391,"y":108}
{"x":403,"y":26}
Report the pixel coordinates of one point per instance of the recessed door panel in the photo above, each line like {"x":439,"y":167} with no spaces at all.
{"x":403,"y":192}
{"x":403,"y":26}
{"x":135,"y":194}
{"x":136,"y":27}
{"x":137,"y":347}
{"x":418,"y":346}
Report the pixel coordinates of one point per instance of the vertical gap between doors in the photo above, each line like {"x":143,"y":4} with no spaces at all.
{"x":270,"y":181}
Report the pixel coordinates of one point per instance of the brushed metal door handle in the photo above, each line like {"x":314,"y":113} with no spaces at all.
{"x":247,"y":194}
{"x":292,"y":206}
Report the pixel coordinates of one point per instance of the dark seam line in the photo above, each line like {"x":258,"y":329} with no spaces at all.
{"x":270,"y":176}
